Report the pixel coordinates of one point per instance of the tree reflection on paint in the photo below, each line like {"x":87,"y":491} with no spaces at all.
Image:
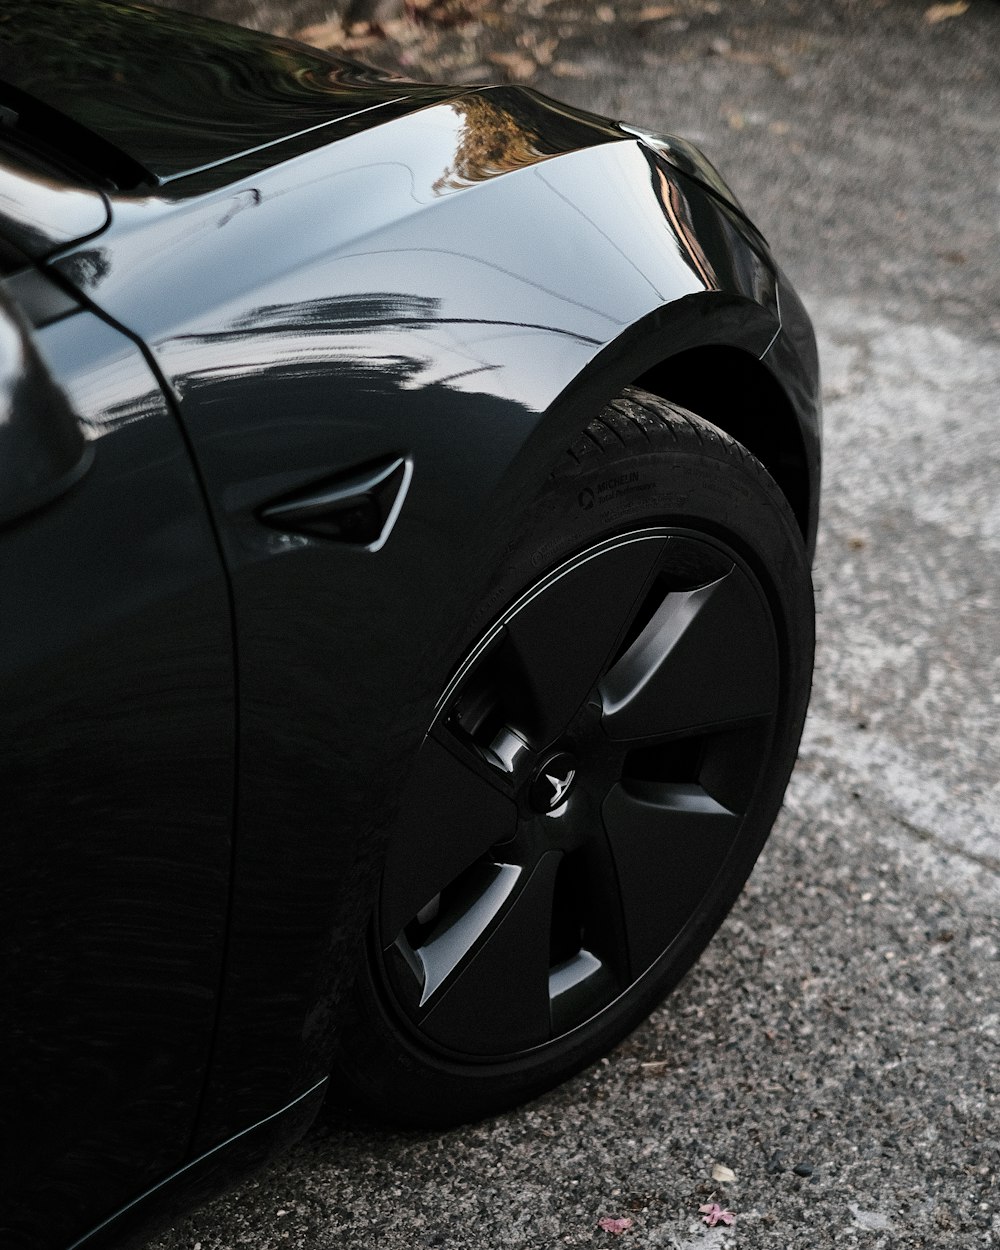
{"x":493,"y":142}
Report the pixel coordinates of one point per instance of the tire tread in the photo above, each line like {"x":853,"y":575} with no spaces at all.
{"x":638,"y":418}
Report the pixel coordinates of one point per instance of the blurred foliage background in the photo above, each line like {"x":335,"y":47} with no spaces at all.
{"x":544,"y":41}
{"x":528,"y":40}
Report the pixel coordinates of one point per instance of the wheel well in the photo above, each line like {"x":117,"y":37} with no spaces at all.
{"x":734,"y":391}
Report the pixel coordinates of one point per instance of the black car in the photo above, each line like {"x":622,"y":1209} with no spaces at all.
{"x":407,"y":499}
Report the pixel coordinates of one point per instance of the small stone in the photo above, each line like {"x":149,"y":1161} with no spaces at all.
{"x":803,"y":1169}
{"x":721,"y":1173}
{"x":777,"y":1162}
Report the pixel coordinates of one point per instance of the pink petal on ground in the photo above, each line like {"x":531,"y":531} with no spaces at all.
{"x":614,"y":1226}
{"x":713,"y":1214}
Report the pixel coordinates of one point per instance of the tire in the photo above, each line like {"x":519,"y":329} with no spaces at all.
{"x":600,"y":777}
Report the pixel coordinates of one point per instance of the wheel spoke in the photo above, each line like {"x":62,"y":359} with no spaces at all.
{"x":669,"y":841}
{"x":494,"y":996}
{"x":707,"y":658}
{"x":483,"y":896}
{"x":579,"y":987}
{"x":588,"y":946}
{"x":449,"y":816}
{"x":563,"y":636}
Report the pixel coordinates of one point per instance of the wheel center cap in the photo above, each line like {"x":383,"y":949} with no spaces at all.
{"x":553,"y":782}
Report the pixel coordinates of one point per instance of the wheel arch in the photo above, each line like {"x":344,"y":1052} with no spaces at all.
{"x":738,"y":393}
{"x":708,"y":353}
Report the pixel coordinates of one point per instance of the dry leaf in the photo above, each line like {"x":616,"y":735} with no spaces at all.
{"x":721,"y":1173}
{"x":444,"y":13}
{"x":941,"y":12}
{"x":736,"y":121}
{"x":544,"y":52}
{"x":657,"y":12}
{"x":566,"y":69}
{"x":402,"y":30}
{"x":321,"y":33}
{"x":604,"y":13}
{"x":519,"y":66}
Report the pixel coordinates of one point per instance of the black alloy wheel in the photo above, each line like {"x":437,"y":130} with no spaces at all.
{"x":600,"y":775}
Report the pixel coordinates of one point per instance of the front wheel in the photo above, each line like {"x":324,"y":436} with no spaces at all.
{"x":604,"y":766}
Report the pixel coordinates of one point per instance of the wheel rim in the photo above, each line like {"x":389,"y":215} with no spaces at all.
{"x":583,"y":785}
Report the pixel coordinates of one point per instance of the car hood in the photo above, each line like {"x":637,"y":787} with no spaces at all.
{"x":135,"y":94}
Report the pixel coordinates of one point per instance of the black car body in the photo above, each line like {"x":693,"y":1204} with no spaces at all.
{"x":286,"y":345}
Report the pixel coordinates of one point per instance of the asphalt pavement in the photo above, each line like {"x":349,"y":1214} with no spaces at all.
{"x":837,"y":1048}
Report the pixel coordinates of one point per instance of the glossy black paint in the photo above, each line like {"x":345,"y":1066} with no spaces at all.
{"x":203,"y":1176}
{"x":314,"y":312}
{"x":40,"y":460}
{"x":116,"y":777}
{"x":40,"y":214}
{"x":175,"y":93}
